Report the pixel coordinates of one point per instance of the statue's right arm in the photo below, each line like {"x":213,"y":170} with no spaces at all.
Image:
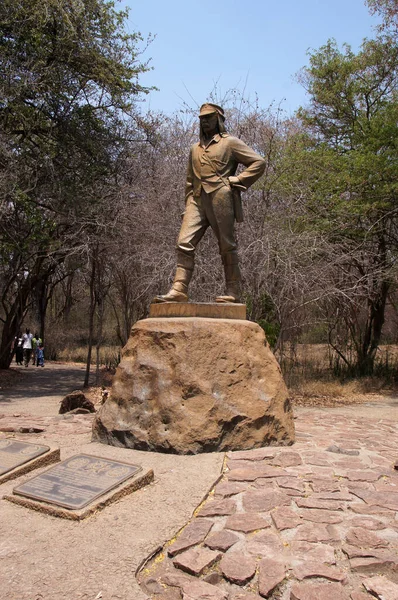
{"x":189,"y":182}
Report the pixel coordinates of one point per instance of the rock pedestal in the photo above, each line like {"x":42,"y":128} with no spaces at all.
{"x":190,"y":385}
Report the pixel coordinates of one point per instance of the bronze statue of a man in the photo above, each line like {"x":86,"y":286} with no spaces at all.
{"x":213,"y":198}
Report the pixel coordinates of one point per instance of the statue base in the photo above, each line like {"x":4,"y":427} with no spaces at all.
{"x":208,"y":310}
{"x":191,"y":385}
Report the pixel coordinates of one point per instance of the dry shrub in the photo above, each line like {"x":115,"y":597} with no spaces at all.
{"x":328,"y":389}
{"x":311,"y":382}
{"x":375,"y":385}
{"x":332,"y":393}
{"x":109,"y":355}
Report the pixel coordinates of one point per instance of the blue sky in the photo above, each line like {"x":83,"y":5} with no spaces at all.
{"x":257,"y":47}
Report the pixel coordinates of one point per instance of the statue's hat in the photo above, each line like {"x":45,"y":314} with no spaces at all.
{"x":208,"y":109}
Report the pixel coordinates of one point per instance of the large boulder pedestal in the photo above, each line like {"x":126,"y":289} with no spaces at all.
{"x":191,"y":384}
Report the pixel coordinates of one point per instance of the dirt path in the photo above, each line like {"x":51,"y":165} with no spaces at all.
{"x":46,"y":558}
{"x":37,"y":391}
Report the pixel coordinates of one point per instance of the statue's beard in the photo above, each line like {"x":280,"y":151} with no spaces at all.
{"x":219,"y":129}
{"x":209,"y":133}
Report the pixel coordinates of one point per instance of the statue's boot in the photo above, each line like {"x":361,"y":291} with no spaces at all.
{"x":232,"y":278}
{"x":179,"y":290}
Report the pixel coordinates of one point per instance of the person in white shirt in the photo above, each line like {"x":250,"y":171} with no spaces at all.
{"x":27,"y":347}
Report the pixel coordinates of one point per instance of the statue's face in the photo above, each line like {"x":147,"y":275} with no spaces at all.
{"x":209,"y":124}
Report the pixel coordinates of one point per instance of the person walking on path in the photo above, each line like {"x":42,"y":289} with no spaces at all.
{"x":36,"y":341}
{"x":40,"y":354}
{"x":18,"y":349}
{"x":27,"y":346}
{"x":213,"y":198}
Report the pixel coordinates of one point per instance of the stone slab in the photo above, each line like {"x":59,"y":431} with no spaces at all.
{"x":319,"y":591}
{"x":271,"y":574}
{"x":382,"y":587}
{"x":238,"y":568}
{"x":18,"y":458}
{"x":192,"y":535}
{"x":208,"y":310}
{"x":247,"y":522}
{"x":127,"y":487}
{"x":217,"y":508}
{"x":192,"y":588}
{"x":196,"y":560}
{"x":221,"y":540}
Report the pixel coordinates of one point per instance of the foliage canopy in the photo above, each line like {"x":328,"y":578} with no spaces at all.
{"x":67,"y":107}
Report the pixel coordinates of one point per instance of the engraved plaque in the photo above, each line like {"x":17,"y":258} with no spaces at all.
{"x":77,"y":481}
{"x":14,"y":454}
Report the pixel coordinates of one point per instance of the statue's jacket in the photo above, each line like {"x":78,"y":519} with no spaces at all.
{"x":210,"y":166}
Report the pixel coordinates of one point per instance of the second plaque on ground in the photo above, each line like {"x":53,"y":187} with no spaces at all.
{"x":14,"y":453}
{"x":77,"y":481}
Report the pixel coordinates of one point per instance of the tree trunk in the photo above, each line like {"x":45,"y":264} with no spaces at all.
{"x":41,"y":304}
{"x":100,"y":322}
{"x":374,"y":328}
{"x":91,"y":321}
{"x":13,"y":321}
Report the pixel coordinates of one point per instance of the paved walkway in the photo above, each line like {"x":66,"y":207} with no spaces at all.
{"x":316,"y":521}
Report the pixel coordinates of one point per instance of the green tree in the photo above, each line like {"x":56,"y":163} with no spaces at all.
{"x":348,"y":158}
{"x":68,"y":97}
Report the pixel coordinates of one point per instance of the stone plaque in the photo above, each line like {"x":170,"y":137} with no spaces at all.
{"x":14,"y":454}
{"x":77,"y":481}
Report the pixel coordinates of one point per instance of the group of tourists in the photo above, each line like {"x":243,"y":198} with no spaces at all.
{"x":28,"y":347}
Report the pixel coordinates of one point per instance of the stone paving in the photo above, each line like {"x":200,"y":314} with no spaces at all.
{"x":314,"y":521}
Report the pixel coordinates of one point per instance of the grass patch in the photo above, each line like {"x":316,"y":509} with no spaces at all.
{"x":312,"y":380}
{"x":109,"y":355}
